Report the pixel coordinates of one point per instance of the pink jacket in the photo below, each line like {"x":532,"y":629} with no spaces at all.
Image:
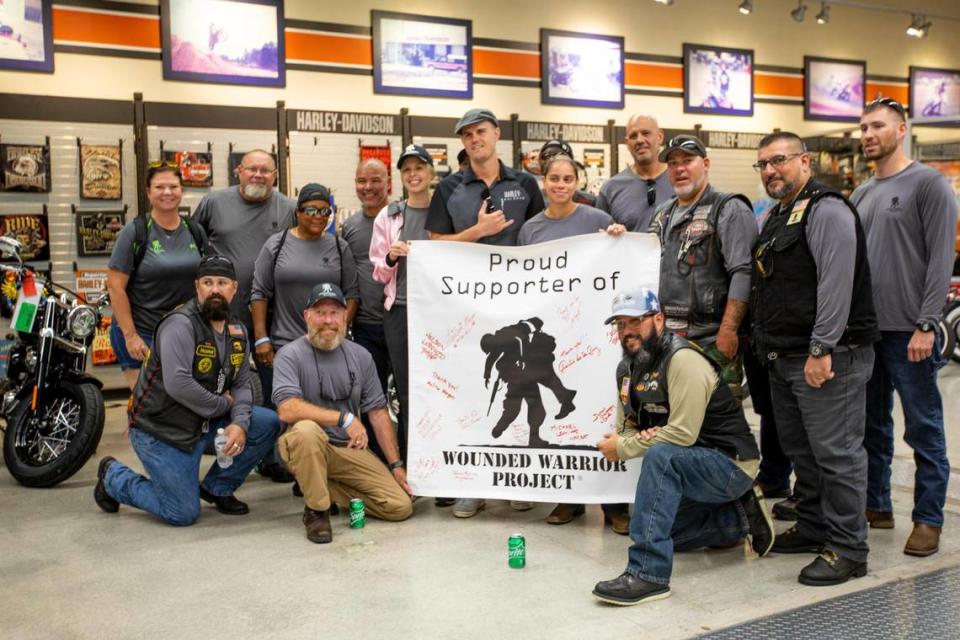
{"x":386,"y":230}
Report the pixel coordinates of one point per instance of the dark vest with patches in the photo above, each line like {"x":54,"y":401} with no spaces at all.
{"x":783,"y":295}
{"x":693,"y":279}
{"x":646,"y":400}
{"x":153,"y":410}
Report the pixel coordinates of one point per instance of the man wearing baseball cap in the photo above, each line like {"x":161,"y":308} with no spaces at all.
{"x":696,"y":485}
{"x":194,"y":382}
{"x":487,"y":201}
{"x":322,"y":384}
{"x":706,"y":238}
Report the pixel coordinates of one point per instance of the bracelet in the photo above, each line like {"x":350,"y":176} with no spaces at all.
{"x":260,"y":341}
{"x":348,"y":420}
{"x":393,"y":466}
{"x":340,"y":418}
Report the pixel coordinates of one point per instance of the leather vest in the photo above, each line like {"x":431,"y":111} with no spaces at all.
{"x":153,"y":410}
{"x":646,"y":400}
{"x":783,"y":298}
{"x":693,"y":279}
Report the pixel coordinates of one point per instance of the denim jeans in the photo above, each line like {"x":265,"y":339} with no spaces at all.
{"x":372,"y":338}
{"x":119,"y":344}
{"x":687,"y":498}
{"x":916,"y":382}
{"x":172,"y":492}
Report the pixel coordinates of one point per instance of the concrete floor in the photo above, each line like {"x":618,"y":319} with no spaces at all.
{"x":68,"y":570}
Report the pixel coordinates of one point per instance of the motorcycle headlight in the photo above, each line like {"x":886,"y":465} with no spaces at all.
{"x":82,"y":321}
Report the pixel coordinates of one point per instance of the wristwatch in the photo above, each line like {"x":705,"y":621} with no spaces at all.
{"x":925,"y":326}
{"x":393,"y":466}
{"x":818,"y":349}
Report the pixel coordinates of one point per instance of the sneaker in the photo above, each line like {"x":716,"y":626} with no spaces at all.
{"x":762,"y":535}
{"x":830,"y":569}
{"x":786,"y":509}
{"x":100,"y":495}
{"x":792,"y":541}
{"x":521,"y":505}
{"x":628,"y":589}
{"x":468,"y":507}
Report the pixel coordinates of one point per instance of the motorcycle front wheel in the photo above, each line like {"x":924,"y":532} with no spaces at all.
{"x":43,"y":450}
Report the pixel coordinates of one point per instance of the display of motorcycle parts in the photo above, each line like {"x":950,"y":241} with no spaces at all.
{"x":101,"y":171}
{"x":25,"y":167}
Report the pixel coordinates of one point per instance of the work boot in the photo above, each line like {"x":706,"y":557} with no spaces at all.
{"x":762,"y":535}
{"x":829,"y":569}
{"x":628,"y":589}
{"x":787,"y":509}
{"x":227,"y":505}
{"x":792,"y":541}
{"x":275,"y":472}
{"x":318,"y":526}
{"x":100,"y":495}
{"x":564,"y":513}
{"x":566,"y":407}
{"x":880,"y":519}
{"x":924,"y":541}
{"x":619,"y":521}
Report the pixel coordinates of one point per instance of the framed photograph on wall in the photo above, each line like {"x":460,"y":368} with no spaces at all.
{"x":717,"y":80}
{"x":26,"y":35}
{"x":581,"y":69}
{"x":223,"y":41}
{"x":934,"y":92}
{"x":833,"y":89}
{"x":422,"y":55}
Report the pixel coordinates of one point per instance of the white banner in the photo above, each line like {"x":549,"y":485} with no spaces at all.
{"x":512,"y":371}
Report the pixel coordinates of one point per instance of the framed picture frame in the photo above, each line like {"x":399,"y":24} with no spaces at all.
{"x":196,"y":167}
{"x":934,"y":92}
{"x":833,"y":89}
{"x":422,"y":55}
{"x":32,"y":230}
{"x":101,"y":171}
{"x":26,"y":35}
{"x":97,"y":231}
{"x":717,"y":80}
{"x":223,"y":41}
{"x":25,"y":167}
{"x":581,"y":69}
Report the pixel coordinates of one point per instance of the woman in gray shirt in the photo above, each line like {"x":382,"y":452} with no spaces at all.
{"x":289,"y":265}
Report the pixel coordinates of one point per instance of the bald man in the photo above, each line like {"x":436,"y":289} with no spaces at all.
{"x":371,"y":182}
{"x":631,"y":196}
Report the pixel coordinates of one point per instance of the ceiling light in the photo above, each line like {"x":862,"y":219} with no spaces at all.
{"x":824,"y":16}
{"x":746,"y":7}
{"x":798,"y":13}
{"x":668,"y":2}
{"x":919,"y":26}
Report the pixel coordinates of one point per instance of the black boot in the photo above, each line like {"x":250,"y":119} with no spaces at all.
{"x":792,"y":541}
{"x":762,"y":535}
{"x":628,"y":589}
{"x":829,"y":569}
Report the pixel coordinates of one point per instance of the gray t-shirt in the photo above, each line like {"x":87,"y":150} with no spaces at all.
{"x":910,"y":224}
{"x":414,"y":228}
{"x":177,"y":344}
{"x":237,"y":228}
{"x":831,"y":235}
{"x":328,"y":379}
{"x":624,"y":197}
{"x":584,"y":219}
{"x":165,"y":277}
{"x":357,"y":230}
{"x":300,"y":265}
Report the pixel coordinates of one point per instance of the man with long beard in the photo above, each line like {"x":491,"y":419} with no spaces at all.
{"x":322,"y":384}
{"x":696,"y":485}
{"x":193,"y":383}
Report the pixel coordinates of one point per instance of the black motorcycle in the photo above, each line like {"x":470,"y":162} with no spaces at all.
{"x":53,"y":410}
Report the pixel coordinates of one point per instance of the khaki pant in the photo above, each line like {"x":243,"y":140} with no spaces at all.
{"x":327,"y":473}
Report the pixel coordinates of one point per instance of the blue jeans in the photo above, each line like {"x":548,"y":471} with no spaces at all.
{"x":687,"y":498}
{"x":172,"y":492}
{"x":372,"y":338}
{"x":916,"y":382}
{"x":119,"y":344}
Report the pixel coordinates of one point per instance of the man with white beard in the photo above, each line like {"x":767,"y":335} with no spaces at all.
{"x":322,"y":384}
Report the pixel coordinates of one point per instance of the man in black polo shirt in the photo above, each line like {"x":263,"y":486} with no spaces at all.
{"x":488,"y":201}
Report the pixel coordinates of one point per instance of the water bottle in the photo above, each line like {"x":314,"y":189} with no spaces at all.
{"x":219,"y":443}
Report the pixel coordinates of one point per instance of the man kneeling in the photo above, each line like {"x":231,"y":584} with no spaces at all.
{"x":322,"y":383}
{"x":194,"y":381}
{"x":696,"y":486}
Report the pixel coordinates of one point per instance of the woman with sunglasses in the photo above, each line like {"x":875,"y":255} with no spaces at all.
{"x":290,"y":263}
{"x":151,"y":269}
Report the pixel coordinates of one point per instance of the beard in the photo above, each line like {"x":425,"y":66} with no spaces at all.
{"x":255,"y":191}
{"x":648,"y":353}
{"x":785,"y":189}
{"x":885,"y":149}
{"x":215,"y":307}
{"x":327,"y":342}
{"x":690,"y":189}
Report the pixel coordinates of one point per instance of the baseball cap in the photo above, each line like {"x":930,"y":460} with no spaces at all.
{"x":473,"y":117}
{"x":325,"y":291}
{"x":415,"y":151}
{"x":216,"y":265}
{"x":562,"y":147}
{"x":313,"y":191}
{"x":635,"y":303}
{"x":685,"y":143}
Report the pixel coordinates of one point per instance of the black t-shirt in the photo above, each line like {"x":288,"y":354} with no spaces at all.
{"x":457,"y":201}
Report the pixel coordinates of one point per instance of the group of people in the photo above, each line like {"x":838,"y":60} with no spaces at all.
{"x":801,"y":301}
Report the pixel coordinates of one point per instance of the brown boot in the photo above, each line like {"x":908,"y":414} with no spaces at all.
{"x":564,"y":513}
{"x":923,"y":541}
{"x":880,"y":519}
{"x":318,"y":526}
{"x":619,"y":522}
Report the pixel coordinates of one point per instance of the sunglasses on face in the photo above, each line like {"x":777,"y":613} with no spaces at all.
{"x":317,"y":211}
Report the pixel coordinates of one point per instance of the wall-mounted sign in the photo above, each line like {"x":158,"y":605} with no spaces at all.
{"x":343,"y":122}
{"x":567,"y":132}
{"x":731,"y":139}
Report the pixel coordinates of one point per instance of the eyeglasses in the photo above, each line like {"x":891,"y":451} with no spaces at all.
{"x":776,"y":161}
{"x":317,"y":211}
{"x":259,"y":171}
{"x":651,"y":192}
{"x":888,"y":102}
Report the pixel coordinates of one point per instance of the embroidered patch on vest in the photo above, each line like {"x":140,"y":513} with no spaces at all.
{"x":204,"y":365}
{"x":235,"y":330}
{"x":207,"y":350}
{"x":236,"y":359}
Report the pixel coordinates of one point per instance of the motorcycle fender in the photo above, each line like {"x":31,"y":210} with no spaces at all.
{"x":85,"y":378}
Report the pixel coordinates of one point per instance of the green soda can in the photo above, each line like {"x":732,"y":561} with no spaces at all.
{"x":517,"y":551}
{"x":358,"y":516}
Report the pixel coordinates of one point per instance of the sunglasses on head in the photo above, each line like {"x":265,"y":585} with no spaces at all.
{"x":163,"y":163}
{"x":888,"y":102}
{"x":215,"y":258}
